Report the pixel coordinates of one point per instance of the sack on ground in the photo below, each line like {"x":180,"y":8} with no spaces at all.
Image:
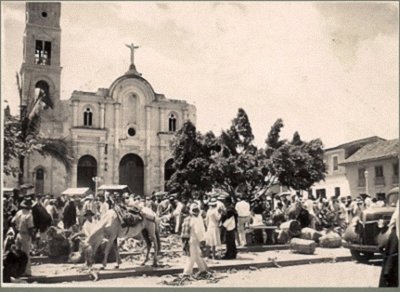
{"x":330,"y":240}
{"x":282,"y":237}
{"x":292,"y":227}
{"x":302,"y":246}
{"x":310,"y":234}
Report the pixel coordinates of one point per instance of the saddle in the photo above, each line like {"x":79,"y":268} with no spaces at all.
{"x":129,"y":217}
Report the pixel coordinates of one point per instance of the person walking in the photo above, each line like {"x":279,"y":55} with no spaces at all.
{"x":23,"y":222}
{"x":243,"y":210}
{"x":193,"y":232}
{"x":213,"y":236}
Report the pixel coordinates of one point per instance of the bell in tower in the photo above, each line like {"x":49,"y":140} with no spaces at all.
{"x":41,"y":70}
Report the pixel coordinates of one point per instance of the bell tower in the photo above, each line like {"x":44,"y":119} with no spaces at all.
{"x":41,"y":70}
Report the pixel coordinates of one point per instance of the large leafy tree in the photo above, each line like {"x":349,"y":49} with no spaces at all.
{"x":296,"y":164}
{"x":22,"y":137}
{"x":191,"y":153}
{"x":242,"y":168}
{"x":236,"y":167}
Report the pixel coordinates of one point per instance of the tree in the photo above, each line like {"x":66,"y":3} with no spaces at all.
{"x":191,"y":154}
{"x":296,"y":164}
{"x":242,"y":168}
{"x":236,"y":167}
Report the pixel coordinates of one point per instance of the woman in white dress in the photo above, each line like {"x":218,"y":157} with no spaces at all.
{"x":213,"y":237}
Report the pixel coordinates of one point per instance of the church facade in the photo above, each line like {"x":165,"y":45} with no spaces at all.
{"x":120,"y":134}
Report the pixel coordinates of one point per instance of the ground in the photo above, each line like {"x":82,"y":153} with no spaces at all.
{"x":346,"y":274}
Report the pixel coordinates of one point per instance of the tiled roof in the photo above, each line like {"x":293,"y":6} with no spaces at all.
{"x":377,"y":150}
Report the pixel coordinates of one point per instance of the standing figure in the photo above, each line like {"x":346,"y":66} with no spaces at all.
{"x":192,"y":235}
{"x":23,"y":221}
{"x":243,"y":210}
{"x":229,"y":223}
{"x":213,"y":236}
{"x":103,"y":205}
{"x":69,"y":215}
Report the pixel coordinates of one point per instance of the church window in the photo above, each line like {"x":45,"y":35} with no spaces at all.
{"x":87,"y":117}
{"x":39,"y":174}
{"x":172,"y":123}
{"x":131,"y":132}
{"x":42,"y":52}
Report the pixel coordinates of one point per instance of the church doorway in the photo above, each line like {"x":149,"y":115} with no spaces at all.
{"x":168,"y":172}
{"x":131,"y":173}
{"x":87,"y":169}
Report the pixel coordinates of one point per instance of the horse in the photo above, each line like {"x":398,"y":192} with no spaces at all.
{"x":110,"y":227}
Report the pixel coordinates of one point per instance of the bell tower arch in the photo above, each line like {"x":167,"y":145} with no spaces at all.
{"x":41,"y":55}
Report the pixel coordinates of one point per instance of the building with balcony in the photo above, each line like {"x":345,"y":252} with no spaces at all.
{"x":374,"y":168}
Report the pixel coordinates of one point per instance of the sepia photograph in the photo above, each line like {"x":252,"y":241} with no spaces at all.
{"x":183,"y":144}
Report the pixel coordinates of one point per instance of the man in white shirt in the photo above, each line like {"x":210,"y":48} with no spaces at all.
{"x":89,"y":224}
{"x":177,"y":211}
{"x":103,"y":205}
{"x":243,"y":209}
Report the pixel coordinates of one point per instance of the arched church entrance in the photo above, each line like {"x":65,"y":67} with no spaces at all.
{"x":168,"y":172}
{"x":87,"y":169}
{"x":131,"y":173}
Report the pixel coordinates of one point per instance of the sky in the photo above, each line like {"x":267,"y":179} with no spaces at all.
{"x":329,"y":70}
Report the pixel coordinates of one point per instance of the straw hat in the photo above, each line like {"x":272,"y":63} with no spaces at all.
{"x":194,"y":209}
{"x":26,"y":203}
{"x":88,"y":197}
{"x":212,"y":202}
{"x":88,"y":212}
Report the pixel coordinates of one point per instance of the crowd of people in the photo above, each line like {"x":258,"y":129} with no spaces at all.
{"x":204,"y":224}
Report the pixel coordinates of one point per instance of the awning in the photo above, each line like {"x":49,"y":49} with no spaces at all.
{"x":161,"y":194}
{"x":113,"y":188}
{"x":8,"y":190}
{"x":76,"y":191}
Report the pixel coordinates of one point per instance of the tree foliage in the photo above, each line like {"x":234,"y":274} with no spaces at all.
{"x":232,"y":162}
{"x":191,"y":154}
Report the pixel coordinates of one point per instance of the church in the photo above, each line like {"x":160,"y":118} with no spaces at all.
{"x":120,"y":134}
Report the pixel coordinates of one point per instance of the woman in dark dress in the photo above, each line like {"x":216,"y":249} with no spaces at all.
{"x":230,"y":234}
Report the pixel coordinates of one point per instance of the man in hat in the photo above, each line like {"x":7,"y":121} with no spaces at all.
{"x":89,"y":204}
{"x":193,"y":233}
{"x":23,"y":222}
{"x":151,"y":204}
{"x":164,"y":207}
{"x":243,"y":210}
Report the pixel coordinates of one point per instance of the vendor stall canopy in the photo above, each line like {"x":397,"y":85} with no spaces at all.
{"x":76,"y":191}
